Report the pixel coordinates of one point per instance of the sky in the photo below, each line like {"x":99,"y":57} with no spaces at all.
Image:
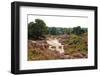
{"x":61,"y":21}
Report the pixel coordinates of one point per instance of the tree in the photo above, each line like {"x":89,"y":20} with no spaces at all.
{"x":37,"y":29}
{"x":78,"y":30}
{"x":53,"y":31}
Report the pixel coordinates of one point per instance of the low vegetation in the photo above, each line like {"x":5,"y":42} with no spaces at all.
{"x":75,"y":41}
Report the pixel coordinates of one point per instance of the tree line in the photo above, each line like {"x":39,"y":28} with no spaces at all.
{"x":60,"y":31}
{"x":38,"y":30}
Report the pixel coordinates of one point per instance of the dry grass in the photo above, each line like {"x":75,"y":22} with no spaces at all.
{"x":74,"y":47}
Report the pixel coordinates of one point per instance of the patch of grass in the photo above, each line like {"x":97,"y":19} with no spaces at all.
{"x":37,"y":54}
{"x":77,"y":43}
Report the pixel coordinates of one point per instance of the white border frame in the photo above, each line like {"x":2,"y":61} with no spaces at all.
{"x":24,"y":64}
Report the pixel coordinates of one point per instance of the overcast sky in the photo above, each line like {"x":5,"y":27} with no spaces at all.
{"x":61,"y":21}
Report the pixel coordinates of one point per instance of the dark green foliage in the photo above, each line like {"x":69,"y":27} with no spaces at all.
{"x":37,"y":29}
{"x":53,"y":31}
{"x":78,"y":30}
{"x":60,"y":31}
